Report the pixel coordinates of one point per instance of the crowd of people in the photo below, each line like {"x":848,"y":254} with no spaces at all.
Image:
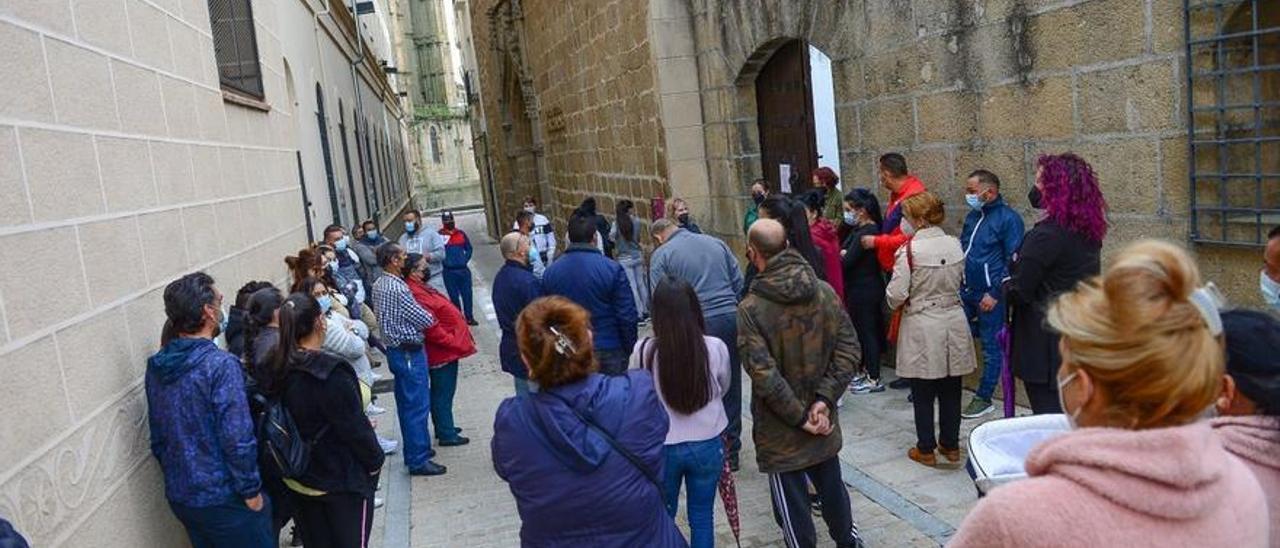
{"x":608,"y":427}
{"x":1138,"y":357}
{"x":279,"y":426}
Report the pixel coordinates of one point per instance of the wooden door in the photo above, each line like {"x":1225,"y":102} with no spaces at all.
{"x":784,"y":113}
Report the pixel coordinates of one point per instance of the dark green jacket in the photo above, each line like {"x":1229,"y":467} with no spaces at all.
{"x":797,"y":344}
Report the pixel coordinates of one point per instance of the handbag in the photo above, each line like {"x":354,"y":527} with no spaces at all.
{"x":895,"y":322}
{"x":631,"y":457}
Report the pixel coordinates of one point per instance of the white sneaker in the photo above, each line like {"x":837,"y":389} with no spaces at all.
{"x":378,"y":502}
{"x":389,"y":446}
{"x":374,"y":410}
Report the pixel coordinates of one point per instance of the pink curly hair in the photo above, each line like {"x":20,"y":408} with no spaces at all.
{"x":1071,"y":197}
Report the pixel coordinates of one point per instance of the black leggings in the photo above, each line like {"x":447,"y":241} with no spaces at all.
{"x":947,"y":392}
{"x":868,"y":322}
{"x":336,"y":520}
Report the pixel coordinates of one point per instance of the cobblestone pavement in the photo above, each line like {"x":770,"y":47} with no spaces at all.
{"x":896,"y":502}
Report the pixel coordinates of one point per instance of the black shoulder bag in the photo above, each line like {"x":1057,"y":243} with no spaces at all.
{"x":635,"y":461}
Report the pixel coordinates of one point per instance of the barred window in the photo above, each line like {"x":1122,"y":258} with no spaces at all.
{"x":236,"y":46}
{"x":1233,"y":51}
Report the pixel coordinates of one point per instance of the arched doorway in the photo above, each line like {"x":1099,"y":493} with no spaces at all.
{"x":795,"y":113}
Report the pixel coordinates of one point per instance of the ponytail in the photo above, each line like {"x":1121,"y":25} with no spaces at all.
{"x":298,"y":317}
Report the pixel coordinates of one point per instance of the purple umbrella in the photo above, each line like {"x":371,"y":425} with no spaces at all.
{"x":1005,"y":338}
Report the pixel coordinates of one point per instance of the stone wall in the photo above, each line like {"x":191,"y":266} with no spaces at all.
{"x":957,"y":86}
{"x":570,"y":103}
{"x":123,"y":167}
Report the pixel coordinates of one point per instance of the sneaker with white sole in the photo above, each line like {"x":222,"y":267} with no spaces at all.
{"x":866,"y":385}
{"x":374,"y":377}
{"x":378,"y":502}
{"x":977,"y":407}
{"x":389,"y":446}
{"x":373,"y":410}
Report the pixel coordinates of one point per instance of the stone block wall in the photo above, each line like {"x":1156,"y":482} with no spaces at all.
{"x":591,"y":82}
{"x":123,"y":167}
{"x":957,"y":86}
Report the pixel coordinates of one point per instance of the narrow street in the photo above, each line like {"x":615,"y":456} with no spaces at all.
{"x":896,"y":501}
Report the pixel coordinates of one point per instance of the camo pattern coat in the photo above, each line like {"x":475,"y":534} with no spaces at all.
{"x":797,"y":344}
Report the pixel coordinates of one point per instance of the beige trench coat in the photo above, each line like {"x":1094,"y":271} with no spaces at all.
{"x":934,"y":339}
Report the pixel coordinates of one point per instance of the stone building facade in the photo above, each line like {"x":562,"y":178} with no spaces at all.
{"x":432,"y":63}
{"x":126,"y":161}
{"x":659,"y":98}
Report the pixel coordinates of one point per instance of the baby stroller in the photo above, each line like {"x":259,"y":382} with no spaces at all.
{"x":998,"y":449}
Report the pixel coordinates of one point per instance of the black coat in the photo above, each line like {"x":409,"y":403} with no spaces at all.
{"x":863,"y":279}
{"x":1051,"y":261}
{"x":321,"y":389}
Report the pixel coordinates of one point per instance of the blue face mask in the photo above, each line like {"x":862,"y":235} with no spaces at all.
{"x":371,"y":235}
{"x":223,"y":321}
{"x":1270,"y":291}
{"x":973,"y":200}
{"x":341,"y":244}
{"x":849,"y":218}
{"x":325,"y":302}
{"x":409,"y":227}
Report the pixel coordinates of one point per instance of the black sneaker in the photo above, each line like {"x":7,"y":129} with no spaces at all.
{"x":428,"y":469}
{"x":455,"y":442}
{"x":472,"y":322}
{"x":900,"y":384}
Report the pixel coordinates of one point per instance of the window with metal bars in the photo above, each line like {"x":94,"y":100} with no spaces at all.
{"x":235,"y":46}
{"x":1233,"y":90}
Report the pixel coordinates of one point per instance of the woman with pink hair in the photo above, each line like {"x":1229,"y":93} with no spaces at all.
{"x":1061,"y":250}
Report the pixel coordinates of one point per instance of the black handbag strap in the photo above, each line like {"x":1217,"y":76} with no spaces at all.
{"x":635,"y":461}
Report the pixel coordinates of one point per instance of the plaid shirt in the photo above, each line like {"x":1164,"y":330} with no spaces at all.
{"x":401,"y":318}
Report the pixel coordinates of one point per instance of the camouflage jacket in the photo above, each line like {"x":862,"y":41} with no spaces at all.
{"x":797,"y":344}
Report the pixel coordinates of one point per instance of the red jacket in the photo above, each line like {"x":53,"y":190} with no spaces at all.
{"x":450,"y":339}
{"x":828,"y":244}
{"x":887,"y":244}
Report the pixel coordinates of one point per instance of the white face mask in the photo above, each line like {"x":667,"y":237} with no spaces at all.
{"x":1063,"y":383}
{"x":1270,"y":290}
{"x":907,"y":227}
{"x":530,"y":208}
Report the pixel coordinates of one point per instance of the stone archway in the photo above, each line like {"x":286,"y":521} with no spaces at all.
{"x":523,"y":161}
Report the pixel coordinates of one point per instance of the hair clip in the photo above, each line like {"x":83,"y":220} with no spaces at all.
{"x":563,"y":346}
{"x":1209,"y":301}
{"x":289,"y":304}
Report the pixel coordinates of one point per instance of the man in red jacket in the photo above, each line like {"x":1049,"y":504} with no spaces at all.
{"x":901,"y":185}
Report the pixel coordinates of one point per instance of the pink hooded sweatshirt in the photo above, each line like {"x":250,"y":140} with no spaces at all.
{"x":1110,"y":487}
{"x":1256,"y":440}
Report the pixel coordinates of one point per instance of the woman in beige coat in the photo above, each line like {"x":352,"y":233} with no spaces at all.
{"x":935,"y":350}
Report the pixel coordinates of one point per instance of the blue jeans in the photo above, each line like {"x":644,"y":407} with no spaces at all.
{"x":444,"y":384}
{"x":413,"y":403}
{"x":458,"y":282}
{"x":984,"y":326}
{"x":227,"y":524}
{"x":698,"y":463}
{"x":725,"y":328}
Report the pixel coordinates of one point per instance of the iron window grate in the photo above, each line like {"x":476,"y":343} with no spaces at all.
{"x":1233,"y":108}
{"x":235,"y":46}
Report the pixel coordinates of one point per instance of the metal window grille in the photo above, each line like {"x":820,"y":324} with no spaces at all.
{"x":1233,"y":91}
{"x":235,"y":46}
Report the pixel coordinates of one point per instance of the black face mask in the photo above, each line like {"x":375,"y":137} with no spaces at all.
{"x":449,"y":225}
{"x":1034,"y":198}
{"x":757,"y":198}
{"x":683,"y":218}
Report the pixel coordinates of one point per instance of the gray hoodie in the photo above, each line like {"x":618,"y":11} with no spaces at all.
{"x":706,"y":264}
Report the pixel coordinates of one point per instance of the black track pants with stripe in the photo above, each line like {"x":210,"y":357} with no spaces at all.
{"x":790,"y":493}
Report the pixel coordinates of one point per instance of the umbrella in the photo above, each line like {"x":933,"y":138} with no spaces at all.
{"x":729,"y":495}
{"x":1005,"y":338}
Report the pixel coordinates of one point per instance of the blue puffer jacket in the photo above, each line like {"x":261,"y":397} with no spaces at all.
{"x":514,"y":288}
{"x":570,"y":486}
{"x":599,"y":285}
{"x":990,"y":238}
{"x":201,"y":431}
